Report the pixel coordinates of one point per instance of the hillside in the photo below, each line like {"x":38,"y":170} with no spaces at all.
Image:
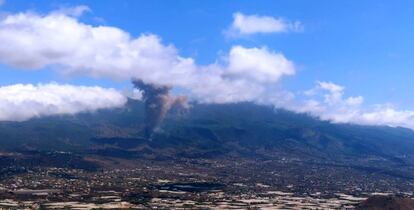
{"x":242,"y":129}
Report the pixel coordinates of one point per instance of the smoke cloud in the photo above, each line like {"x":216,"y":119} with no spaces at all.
{"x":158,"y":102}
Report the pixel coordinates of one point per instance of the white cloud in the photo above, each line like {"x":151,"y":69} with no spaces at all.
{"x":388,"y":115}
{"x":252,"y":24}
{"x":20,"y":102}
{"x":327,"y":102}
{"x":259,"y":64}
{"x":334,"y":92}
{"x":76,"y":11}
{"x":354,"y":101}
{"x":331,"y":87}
{"x":36,"y":41}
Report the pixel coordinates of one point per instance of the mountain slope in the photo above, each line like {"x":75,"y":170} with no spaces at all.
{"x":243,"y":129}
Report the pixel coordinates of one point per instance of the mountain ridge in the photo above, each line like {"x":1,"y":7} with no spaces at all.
{"x":209,"y":130}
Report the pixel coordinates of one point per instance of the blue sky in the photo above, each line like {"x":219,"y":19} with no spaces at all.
{"x":364,"y":46}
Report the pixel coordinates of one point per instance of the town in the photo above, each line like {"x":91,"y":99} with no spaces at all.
{"x":195,"y":183}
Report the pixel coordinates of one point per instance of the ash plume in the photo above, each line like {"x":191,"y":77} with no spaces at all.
{"x":158,"y":102}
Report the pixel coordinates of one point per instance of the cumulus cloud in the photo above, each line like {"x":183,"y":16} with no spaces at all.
{"x":327,"y":102}
{"x":258,"y":64}
{"x":253,"y":24}
{"x":58,"y":40}
{"x":21,"y":102}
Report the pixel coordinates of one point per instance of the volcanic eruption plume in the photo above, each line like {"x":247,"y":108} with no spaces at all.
{"x":158,"y":101}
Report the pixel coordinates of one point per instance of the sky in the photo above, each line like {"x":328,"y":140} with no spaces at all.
{"x":343,"y":61}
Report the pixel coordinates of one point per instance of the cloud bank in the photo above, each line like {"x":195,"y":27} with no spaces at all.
{"x":254,"y":24}
{"x":21,"y":102}
{"x":58,"y":40}
{"x":327,"y":102}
